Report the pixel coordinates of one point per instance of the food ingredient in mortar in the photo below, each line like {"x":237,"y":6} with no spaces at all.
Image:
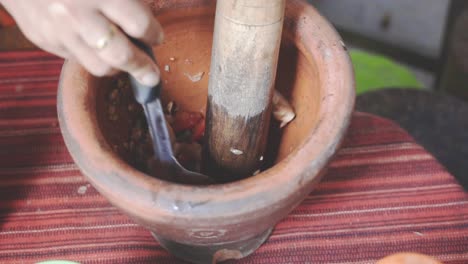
{"x":186,"y":128}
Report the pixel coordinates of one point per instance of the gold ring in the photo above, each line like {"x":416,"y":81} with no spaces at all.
{"x":104,"y":41}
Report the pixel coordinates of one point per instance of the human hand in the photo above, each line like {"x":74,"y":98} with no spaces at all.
{"x":93,"y":33}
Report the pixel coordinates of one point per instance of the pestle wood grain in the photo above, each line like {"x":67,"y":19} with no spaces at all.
{"x":244,"y":61}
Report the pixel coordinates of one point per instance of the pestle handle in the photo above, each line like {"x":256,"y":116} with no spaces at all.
{"x":244,"y":61}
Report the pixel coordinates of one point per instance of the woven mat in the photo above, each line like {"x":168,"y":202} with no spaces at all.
{"x":383,"y":193}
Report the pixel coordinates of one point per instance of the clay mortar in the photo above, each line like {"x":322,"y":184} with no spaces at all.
{"x":202,"y":223}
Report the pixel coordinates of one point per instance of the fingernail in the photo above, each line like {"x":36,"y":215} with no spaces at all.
{"x":150,"y":79}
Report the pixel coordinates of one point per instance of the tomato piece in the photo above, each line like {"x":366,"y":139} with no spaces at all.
{"x":198,"y":131}
{"x":184,"y":120}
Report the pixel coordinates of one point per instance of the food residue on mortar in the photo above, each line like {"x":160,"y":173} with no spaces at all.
{"x":186,"y":130}
{"x":167,"y":68}
{"x":282,"y":110}
{"x":196,"y":77}
{"x":132,"y":107}
{"x":170,"y":107}
{"x":236,"y":152}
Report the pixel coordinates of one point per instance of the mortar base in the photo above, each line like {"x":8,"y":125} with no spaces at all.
{"x":206,"y":254}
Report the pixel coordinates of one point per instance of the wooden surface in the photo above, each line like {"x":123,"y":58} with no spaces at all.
{"x":243,"y":70}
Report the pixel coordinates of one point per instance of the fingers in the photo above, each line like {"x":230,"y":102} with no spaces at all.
{"x":42,"y":34}
{"x":116,"y":49}
{"x":87,"y":57}
{"x":75,"y":45}
{"x":122,"y":54}
{"x":135,"y":19}
{"x":93,"y":33}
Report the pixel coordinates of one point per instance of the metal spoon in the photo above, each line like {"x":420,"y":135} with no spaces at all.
{"x":166,"y":164}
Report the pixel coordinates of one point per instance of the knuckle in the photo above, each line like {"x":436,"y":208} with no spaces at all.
{"x":58,"y":8}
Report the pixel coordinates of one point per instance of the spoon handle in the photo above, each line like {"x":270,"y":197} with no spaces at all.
{"x":159,"y":133}
{"x":149,"y":98}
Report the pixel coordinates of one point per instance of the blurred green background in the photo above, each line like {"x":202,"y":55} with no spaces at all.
{"x":375,"y":72}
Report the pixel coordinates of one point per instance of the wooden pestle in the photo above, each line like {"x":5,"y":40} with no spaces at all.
{"x":246,"y":44}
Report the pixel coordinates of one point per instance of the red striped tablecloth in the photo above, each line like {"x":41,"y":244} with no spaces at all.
{"x":383,"y":193}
